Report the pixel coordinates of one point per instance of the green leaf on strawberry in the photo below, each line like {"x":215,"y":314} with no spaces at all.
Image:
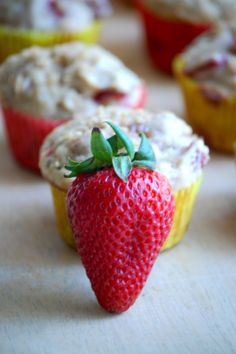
{"x":106,"y":153}
{"x":150,"y":165}
{"x":100,"y":147}
{"x":115,"y":143}
{"x":73,"y":165}
{"x":127,"y":143}
{"x":88,"y":166}
{"x":145,"y":151}
{"x":122,"y":166}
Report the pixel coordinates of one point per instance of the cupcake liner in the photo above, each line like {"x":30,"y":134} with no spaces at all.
{"x":184,"y":200}
{"x":14,"y":40}
{"x":215,"y":121}
{"x":166,"y":37}
{"x":184,"y":203}
{"x":25,"y":136}
{"x":60,"y":209}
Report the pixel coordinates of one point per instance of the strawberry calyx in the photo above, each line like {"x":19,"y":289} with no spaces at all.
{"x":117,"y":152}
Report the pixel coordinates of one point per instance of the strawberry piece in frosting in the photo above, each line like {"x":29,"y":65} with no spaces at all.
{"x":108,"y":96}
{"x":216,"y":61}
{"x":55,"y":8}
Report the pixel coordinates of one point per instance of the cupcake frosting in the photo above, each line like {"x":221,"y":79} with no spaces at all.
{"x":180,"y":154}
{"x":196,"y":11}
{"x":211,"y":61}
{"x":52,"y":15}
{"x":65,"y":81}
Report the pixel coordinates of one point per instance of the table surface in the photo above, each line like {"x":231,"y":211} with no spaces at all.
{"x":189,"y":302}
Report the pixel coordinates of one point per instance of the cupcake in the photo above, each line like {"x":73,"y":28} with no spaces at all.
{"x":41,"y":88}
{"x":206,"y":72}
{"x":170,"y":25}
{"x":24,"y":23}
{"x":180,"y":156}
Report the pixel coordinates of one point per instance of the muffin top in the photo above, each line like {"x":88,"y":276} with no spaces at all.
{"x":52,"y":15}
{"x":211,"y":61}
{"x":196,"y":11}
{"x":180,"y":154}
{"x":65,"y":81}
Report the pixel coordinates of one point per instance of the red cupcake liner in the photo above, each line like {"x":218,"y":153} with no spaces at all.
{"x":166,"y":37}
{"x":26,"y":135}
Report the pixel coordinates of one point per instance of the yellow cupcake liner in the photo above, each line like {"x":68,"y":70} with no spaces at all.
{"x":63,"y":225}
{"x":184,"y":200}
{"x":215,"y":121}
{"x":14,"y":40}
{"x":184,"y":203}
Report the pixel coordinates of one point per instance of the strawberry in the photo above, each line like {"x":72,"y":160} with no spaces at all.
{"x":218,"y":61}
{"x":107,"y":97}
{"x":56,"y":8}
{"x":121,"y":212}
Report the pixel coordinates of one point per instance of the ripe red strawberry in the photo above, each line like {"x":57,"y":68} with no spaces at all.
{"x":120,"y":217}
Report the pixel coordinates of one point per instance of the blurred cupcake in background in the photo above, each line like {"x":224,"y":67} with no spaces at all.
{"x":206,"y":72}
{"x":24,"y":23}
{"x":41,"y":88}
{"x":180,"y":156}
{"x":170,"y":25}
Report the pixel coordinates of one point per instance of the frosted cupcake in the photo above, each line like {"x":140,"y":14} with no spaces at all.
{"x":180,"y":155}
{"x":170,"y":25}
{"x":207,"y":74}
{"x":24,"y":23}
{"x":42,"y":88}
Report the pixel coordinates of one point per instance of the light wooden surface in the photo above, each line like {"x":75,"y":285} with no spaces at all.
{"x":189,"y":302}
